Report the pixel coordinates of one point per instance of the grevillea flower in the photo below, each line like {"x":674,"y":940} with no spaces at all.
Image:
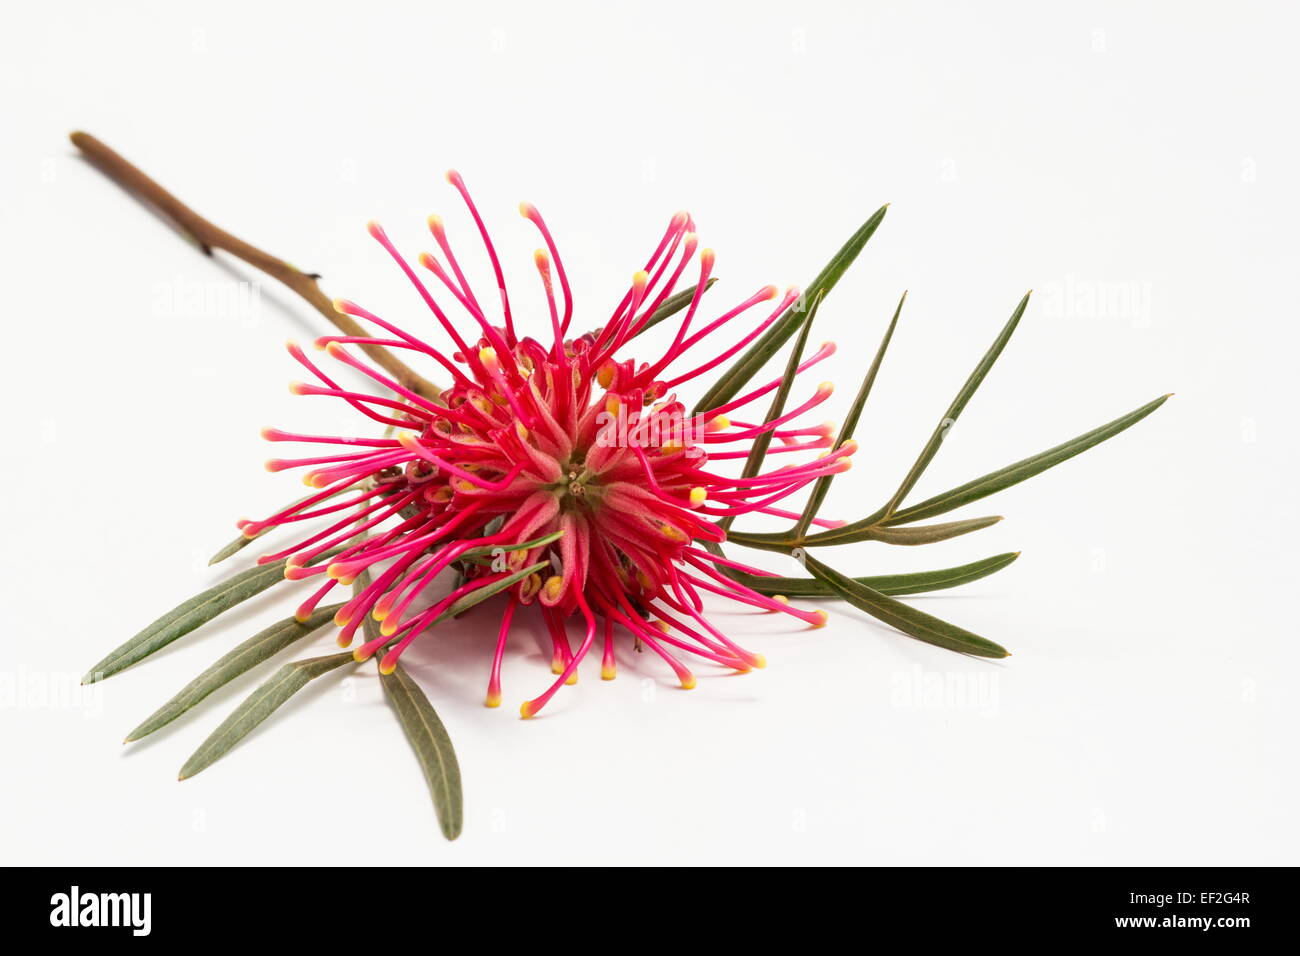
{"x":560,"y":468}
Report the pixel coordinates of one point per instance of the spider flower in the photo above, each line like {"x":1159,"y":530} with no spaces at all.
{"x":555,"y":466}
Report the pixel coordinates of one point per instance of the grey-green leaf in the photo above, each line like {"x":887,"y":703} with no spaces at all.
{"x":917,"y":582}
{"x":181,"y":620}
{"x":914,"y":623}
{"x":764,"y":441}
{"x":822,"y":485}
{"x":432,"y":748}
{"x":1026,"y":468}
{"x":954,"y":411}
{"x":259,"y":705}
{"x":672,"y":305}
{"x":728,"y":386}
{"x":861,"y":531}
{"x":255,"y":650}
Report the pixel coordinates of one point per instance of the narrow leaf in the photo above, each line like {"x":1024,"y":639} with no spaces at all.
{"x":259,"y":705}
{"x":759,"y":449}
{"x":895,"y":584}
{"x":241,"y":542}
{"x":914,"y":623}
{"x":486,"y":591}
{"x":246,"y":656}
{"x":182,"y":619}
{"x":746,"y":367}
{"x":823,"y":484}
{"x":432,"y":748}
{"x":672,"y":305}
{"x":954,"y":411}
{"x":912,"y":535}
{"x":1026,"y":468}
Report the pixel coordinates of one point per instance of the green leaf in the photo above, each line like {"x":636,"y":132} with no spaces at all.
{"x":432,"y":748}
{"x":186,"y":617}
{"x":234,"y":547}
{"x":823,"y":484}
{"x":672,"y":305}
{"x":493,"y":550}
{"x":246,"y":656}
{"x":914,"y":623}
{"x":733,"y":380}
{"x":895,"y":584}
{"x":1026,"y":468}
{"x":861,"y":531}
{"x":259,"y":705}
{"x":467,"y":601}
{"x":954,"y":411}
{"x":241,"y":542}
{"x":759,"y":449}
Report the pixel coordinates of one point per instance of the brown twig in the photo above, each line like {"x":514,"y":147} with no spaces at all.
{"x":209,"y":237}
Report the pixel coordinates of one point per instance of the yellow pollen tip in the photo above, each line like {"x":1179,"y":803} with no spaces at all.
{"x":612,"y":404}
{"x":300,"y":617}
{"x":387,"y":668}
{"x":521,"y":431}
{"x":540,"y":257}
{"x":573,"y":679}
{"x":760,"y":661}
{"x":296,"y":388}
{"x":825,"y":388}
{"x":708,"y":256}
{"x":640,"y":280}
{"x":343,"y":640}
{"x":526,"y":209}
{"x":718,"y":424}
{"x":526,"y":709}
{"x":698,"y":496}
{"x":608,"y":673}
{"x":388,"y":629}
{"x":822,"y":617}
{"x":780,"y":599}
{"x":334,"y":571}
{"x":605,"y":375}
{"x":435,"y":223}
{"x":340,"y":305}
{"x":688,"y":682}
{"x":360,"y":655}
{"x":334,"y":350}
{"x":341,"y":619}
{"x":552,"y":587}
{"x":492,"y":700}
{"x":488,"y":356}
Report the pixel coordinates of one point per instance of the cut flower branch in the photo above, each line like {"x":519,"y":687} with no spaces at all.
{"x":583,"y":477}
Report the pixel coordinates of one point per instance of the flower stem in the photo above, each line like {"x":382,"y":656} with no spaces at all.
{"x":209,"y":237}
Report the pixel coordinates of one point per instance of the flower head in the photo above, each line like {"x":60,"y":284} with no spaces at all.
{"x":555,"y":468}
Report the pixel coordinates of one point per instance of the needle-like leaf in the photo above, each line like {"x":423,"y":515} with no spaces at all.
{"x":859,"y":531}
{"x":672,"y":305}
{"x":259,"y":705}
{"x":734,"y":379}
{"x":914,"y":623}
{"x":954,"y":411}
{"x":186,"y":617}
{"x":850,"y":424}
{"x":759,"y":449}
{"x":1026,"y":468}
{"x":241,"y":542}
{"x":261,"y":647}
{"x":432,"y":748}
{"x":917,"y":582}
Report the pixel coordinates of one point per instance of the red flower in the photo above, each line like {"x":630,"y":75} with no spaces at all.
{"x":557,"y":451}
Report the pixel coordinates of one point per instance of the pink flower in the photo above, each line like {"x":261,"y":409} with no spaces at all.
{"x":557,"y":450}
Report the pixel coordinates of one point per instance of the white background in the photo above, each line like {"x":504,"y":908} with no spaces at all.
{"x":1135,"y":164}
